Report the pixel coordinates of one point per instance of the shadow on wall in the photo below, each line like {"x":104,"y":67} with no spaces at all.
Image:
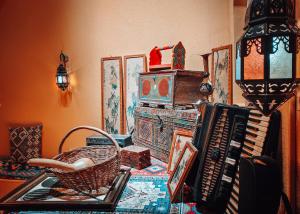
{"x":65,"y":98}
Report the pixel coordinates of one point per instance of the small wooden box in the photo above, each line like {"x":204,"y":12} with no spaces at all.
{"x":123,"y":140}
{"x":136,"y":157}
{"x":171,"y":88}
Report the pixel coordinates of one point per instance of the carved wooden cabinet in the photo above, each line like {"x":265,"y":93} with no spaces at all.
{"x":154,"y":128}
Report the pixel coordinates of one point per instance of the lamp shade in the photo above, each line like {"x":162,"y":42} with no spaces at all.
{"x":267,"y":54}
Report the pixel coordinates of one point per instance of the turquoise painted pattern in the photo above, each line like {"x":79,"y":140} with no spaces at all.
{"x":154,"y":95}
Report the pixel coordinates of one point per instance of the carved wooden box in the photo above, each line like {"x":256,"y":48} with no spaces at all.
{"x":136,"y":157}
{"x":154,"y":128}
{"x":170,"y":88}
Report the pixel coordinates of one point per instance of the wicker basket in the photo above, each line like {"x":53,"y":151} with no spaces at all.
{"x":92,"y":179}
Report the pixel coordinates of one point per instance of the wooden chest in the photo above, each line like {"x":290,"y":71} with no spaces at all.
{"x":154,"y":128}
{"x":136,"y":157}
{"x":170,"y":88}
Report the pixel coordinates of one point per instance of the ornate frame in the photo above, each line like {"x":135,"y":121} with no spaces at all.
{"x":185,"y":133}
{"x":125,"y":84}
{"x":120,"y":81}
{"x":189,"y":164}
{"x":229,"y":84}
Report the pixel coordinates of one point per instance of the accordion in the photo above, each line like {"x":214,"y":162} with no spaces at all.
{"x":223,"y":133}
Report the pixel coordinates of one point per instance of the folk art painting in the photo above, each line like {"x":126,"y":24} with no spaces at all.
{"x":133,"y":65}
{"x":111,"y":90}
{"x":221,"y":75}
{"x":181,"y":170}
{"x":180,"y":138}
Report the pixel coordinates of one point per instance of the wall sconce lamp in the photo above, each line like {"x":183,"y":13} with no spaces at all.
{"x":62,"y":76}
{"x":267,"y":53}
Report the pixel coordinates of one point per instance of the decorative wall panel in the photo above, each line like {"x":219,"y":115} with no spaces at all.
{"x":111,"y":91}
{"x":133,"y":65}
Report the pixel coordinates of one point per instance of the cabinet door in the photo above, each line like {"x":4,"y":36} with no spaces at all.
{"x":156,"y":89}
{"x":163,"y":132}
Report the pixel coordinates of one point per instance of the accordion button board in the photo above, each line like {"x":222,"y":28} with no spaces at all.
{"x":220,"y":151}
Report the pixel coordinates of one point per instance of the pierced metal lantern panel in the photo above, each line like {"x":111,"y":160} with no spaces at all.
{"x":281,"y":60}
{"x":254,"y":60}
{"x":268,"y":103}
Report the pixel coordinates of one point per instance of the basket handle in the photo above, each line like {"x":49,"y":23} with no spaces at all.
{"x":92,"y":129}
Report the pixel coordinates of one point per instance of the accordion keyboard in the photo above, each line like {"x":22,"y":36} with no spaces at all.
{"x":256,"y":140}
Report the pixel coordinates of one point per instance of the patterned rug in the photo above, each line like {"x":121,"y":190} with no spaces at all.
{"x":145,"y":194}
{"x":11,"y":170}
{"x":158,"y":168}
{"x":184,"y":208}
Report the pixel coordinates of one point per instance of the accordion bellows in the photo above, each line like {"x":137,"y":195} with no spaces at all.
{"x":135,"y":157}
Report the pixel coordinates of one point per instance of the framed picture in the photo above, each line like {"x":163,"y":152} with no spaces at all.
{"x":111,"y":94}
{"x":45,"y":193}
{"x":181,"y":170}
{"x":221,"y":75}
{"x":180,"y":138}
{"x":133,"y":65}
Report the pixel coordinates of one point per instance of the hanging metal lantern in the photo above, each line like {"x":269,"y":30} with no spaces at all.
{"x":62,"y":76}
{"x":267,"y":54}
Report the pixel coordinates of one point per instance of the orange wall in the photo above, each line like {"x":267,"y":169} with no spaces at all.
{"x":33,"y":33}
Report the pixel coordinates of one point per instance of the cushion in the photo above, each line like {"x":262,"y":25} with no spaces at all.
{"x":12,"y":170}
{"x":25,"y":142}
